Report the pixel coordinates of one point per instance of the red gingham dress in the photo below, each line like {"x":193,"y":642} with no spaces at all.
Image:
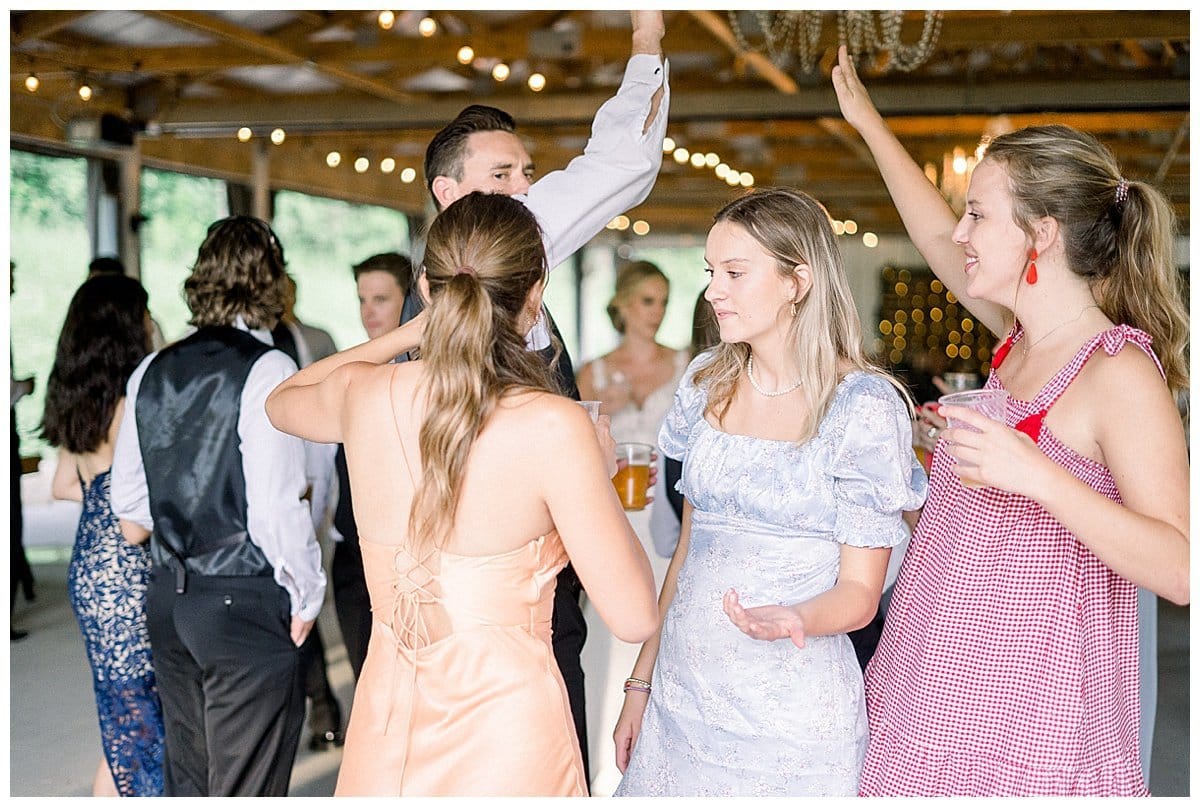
{"x":1008,"y":663}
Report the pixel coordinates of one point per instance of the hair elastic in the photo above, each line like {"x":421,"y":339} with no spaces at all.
{"x":1122,"y":190}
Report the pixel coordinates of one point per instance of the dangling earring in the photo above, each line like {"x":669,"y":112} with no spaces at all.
{"x":1031,"y":275}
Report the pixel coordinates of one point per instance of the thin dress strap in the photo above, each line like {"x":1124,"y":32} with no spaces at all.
{"x":1112,"y":340}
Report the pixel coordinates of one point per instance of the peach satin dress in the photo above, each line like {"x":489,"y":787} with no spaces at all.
{"x":460,"y":694}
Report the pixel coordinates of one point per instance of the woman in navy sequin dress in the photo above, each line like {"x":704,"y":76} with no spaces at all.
{"x":102,"y":340}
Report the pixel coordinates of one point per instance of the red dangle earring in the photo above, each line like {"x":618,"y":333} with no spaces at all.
{"x":1031,"y":275}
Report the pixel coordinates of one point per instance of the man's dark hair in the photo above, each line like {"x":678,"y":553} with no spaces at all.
{"x":447,"y":151}
{"x":237,"y":272}
{"x":395,"y":264}
{"x":106,"y":265}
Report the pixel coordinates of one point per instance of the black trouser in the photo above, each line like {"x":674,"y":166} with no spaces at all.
{"x":352,"y":601}
{"x":569,"y":632}
{"x":20,"y":573}
{"x":325,"y":713}
{"x":230,"y":681}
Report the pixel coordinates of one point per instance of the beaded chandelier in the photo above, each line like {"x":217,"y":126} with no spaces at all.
{"x":788,"y":34}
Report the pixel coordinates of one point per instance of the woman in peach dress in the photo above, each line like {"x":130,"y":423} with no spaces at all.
{"x":473,"y":485}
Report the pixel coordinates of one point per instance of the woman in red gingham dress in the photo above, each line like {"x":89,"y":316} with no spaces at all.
{"x":1009,"y":659}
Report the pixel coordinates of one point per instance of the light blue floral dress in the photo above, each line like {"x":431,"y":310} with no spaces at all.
{"x":731,"y":715}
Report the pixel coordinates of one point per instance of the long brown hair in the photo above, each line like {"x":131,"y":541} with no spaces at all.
{"x":483,"y":256}
{"x":1116,"y":232}
{"x":825,"y":334}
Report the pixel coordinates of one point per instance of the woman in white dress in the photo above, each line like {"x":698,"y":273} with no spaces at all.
{"x":635,"y":385}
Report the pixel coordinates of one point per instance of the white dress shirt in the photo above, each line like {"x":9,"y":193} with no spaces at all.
{"x":278,"y":519}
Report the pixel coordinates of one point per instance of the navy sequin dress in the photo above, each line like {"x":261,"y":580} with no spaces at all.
{"x":107,"y":588}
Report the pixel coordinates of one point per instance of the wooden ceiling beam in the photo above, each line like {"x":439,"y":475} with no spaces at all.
{"x":30,"y":25}
{"x":254,"y":42}
{"x":721,"y":31}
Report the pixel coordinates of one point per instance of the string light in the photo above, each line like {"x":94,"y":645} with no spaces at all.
{"x":32,"y":83}
{"x":681,"y":155}
{"x":387,"y":165}
{"x":427,"y":26}
{"x":500,"y":71}
{"x":668,"y":145}
{"x":333,"y":159}
{"x":362,"y":164}
{"x":733,"y":178}
{"x":711,"y":159}
{"x":465,"y":54}
{"x":851,"y":226}
{"x":408,"y":175}
{"x":722,"y":170}
{"x":537,"y":82}
{"x":278,"y":136}
{"x":747,"y":179}
{"x":386,"y":20}
{"x":85,"y":91}
{"x":697,"y":160}
{"x":641,"y":227}
{"x":244,"y":134}
{"x":870,"y":240}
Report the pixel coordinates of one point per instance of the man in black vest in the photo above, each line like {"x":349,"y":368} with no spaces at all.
{"x":480,"y":151}
{"x":237,"y":579}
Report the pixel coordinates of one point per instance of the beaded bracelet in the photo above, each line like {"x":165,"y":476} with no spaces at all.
{"x":635,"y":688}
{"x":641,"y":681}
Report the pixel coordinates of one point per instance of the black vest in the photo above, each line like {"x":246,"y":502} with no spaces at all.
{"x":187,"y":420}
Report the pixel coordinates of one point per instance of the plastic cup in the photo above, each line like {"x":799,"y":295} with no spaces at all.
{"x":592,"y":407}
{"x":633,"y":478}
{"x":989,"y":402}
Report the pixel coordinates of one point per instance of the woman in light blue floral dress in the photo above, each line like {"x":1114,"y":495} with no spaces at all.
{"x":103,"y":339}
{"x":797,"y":467}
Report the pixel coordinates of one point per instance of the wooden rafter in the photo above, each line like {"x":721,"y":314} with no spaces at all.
{"x":272,"y":49}
{"x":761,"y":64}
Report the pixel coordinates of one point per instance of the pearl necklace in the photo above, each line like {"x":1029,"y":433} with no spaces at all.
{"x":760,"y":390}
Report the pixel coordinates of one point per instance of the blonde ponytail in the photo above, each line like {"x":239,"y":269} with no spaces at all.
{"x":483,"y":257}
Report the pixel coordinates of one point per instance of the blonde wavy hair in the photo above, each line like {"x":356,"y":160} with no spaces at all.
{"x":629,"y":277}
{"x":825,"y":334}
{"x":483,"y":256}
{"x":1120,"y":237}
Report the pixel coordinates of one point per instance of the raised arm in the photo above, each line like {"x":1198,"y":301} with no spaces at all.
{"x":309,"y":403}
{"x":620,"y":163}
{"x":928,"y":219}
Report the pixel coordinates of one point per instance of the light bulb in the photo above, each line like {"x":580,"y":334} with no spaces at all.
{"x":851,"y":226}
{"x":278,"y":136}
{"x":362,"y":164}
{"x":85,"y":92}
{"x":668,"y":145}
{"x":697,"y":160}
{"x":537,"y":82}
{"x":408,"y":175}
{"x":244,"y":134}
{"x":722,"y":170}
{"x":500,"y":71}
{"x":870,"y":240}
{"x":333,"y":159}
{"x":427,"y":26}
{"x":747,"y":179}
{"x":32,"y":83}
{"x":465,"y":54}
{"x":681,"y":155}
{"x":711,"y":159}
{"x":640,"y":227}
{"x":387,"y":165}
{"x":386,"y":20}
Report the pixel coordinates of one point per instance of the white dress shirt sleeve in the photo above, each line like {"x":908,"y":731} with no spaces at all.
{"x":616,"y":171}
{"x":277,"y":516}
{"x":130,"y":496}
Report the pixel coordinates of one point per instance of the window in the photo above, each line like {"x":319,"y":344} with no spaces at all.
{"x":322,"y":239}
{"x":49,"y":246}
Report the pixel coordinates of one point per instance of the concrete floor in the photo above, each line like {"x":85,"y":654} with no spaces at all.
{"x":55,"y":742}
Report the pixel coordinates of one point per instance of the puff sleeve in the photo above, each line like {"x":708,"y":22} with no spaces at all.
{"x":876,"y":475}
{"x":685,"y":413}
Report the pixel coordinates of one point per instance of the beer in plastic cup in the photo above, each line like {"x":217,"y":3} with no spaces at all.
{"x":633,"y":480}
